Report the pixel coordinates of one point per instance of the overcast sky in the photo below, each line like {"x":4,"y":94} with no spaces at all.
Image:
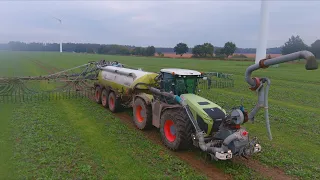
{"x":162,"y":24}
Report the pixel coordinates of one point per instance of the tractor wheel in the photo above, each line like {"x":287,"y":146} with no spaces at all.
{"x":113,"y":102}
{"x":104,"y":98}
{"x":176,"y":129}
{"x":142,"y":114}
{"x":98,"y":94}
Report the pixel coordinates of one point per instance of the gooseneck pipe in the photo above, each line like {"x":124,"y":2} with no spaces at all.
{"x":311,"y":64}
{"x":257,"y":84}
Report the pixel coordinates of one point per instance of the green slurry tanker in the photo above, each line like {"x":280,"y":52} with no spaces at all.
{"x":168,"y":101}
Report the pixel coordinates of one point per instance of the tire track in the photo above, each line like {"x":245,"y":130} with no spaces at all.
{"x":209,"y":170}
{"x":43,"y":67}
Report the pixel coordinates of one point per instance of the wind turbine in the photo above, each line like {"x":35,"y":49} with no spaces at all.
{"x":261,"y":51}
{"x":60,"y":21}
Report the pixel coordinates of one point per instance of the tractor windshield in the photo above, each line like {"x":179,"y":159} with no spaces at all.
{"x":179,"y":84}
{"x":186,"y":85}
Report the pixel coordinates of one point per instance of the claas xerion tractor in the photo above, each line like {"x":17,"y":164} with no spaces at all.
{"x":168,"y":100}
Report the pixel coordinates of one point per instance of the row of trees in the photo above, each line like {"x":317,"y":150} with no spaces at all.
{"x":294,"y":44}
{"x":206,"y":49}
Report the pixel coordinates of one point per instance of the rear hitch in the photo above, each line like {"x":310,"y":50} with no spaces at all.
{"x":251,"y":148}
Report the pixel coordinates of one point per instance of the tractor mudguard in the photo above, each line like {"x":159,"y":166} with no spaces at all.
{"x":146,"y":97}
{"x":158,"y":108}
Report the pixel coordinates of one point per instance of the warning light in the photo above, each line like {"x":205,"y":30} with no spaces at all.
{"x":244,"y":133}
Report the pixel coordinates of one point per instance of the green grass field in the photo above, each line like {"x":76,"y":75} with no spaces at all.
{"x":80,"y":139}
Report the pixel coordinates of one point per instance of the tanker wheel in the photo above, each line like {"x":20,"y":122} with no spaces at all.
{"x":113,"y":102}
{"x":104,"y":98}
{"x":97,"y":96}
{"x":176,"y":129}
{"x":142,"y":114}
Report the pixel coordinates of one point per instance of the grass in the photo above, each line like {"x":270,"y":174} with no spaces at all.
{"x":6,"y":145}
{"x":74,"y":139}
{"x":293,"y":107}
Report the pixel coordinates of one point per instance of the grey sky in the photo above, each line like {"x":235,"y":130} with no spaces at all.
{"x":157,"y":23}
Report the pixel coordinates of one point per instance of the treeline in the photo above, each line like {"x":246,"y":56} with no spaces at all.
{"x":275,"y":50}
{"x":206,"y":50}
{"x":295,"y":43}
{"x":99,"y":48}
{"x":112,"y":49}
{"x":21,"y":46}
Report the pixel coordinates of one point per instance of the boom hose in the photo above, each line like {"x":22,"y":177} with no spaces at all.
{"x":311,"y":64}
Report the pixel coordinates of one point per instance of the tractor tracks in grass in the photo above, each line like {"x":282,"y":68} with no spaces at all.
{"x":201,"y":165}
{"x":210,"y":171}
{"x":190,"y":157}
{"x":273,"y":173}
{"x":44,"y":67}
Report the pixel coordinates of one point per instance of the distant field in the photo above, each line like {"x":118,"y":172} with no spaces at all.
{"x":189,"y":55}
{"x":174,"y":55}
{"x":77,"y":139}
{"x":254,"y":55}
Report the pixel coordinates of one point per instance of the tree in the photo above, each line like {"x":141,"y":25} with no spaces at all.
{"x":229,"y":48}
{"x":137,"y":51}
{"x":160,"y":54}
{"x":90,"y":50}
{"x":181,"y":48}
{"x":294,"y":44}
{"x":150,"y":51}
{"x":219,"y":52}
{"x":203,"y":50}
{"x":315,"y":48}
{"x":198,"y":51}
{"x":208,"y":49}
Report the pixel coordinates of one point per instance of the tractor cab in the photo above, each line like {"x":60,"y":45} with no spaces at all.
{"x":179,"y":81}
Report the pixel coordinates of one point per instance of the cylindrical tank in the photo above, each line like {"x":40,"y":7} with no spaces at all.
{"x":124,"y":79}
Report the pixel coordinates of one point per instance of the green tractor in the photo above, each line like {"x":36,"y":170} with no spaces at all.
{"x":186,"y":119}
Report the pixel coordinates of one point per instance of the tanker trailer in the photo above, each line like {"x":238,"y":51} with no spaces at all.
{"x":116,"y":86}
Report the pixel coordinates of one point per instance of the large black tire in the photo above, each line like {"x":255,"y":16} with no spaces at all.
{"x":104,"y":98}
{"x":113,"y":102}
{"x":97,"y":96}
{"x":142,"y":114}
{"x":180,"y":138}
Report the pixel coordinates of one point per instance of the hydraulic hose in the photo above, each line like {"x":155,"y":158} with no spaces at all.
{"x":262,"y":103}
{"x":208,"y":147}
{"x":311,"y":64}
{"x":266,"y":109}
{"x":158,"y":92}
